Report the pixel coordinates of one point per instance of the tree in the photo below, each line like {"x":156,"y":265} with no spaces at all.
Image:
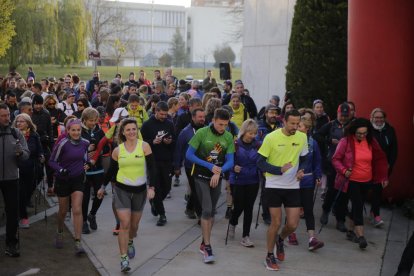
{"x":236,"y":15}
{"x":135,"y":48}
{"x":223,"y":54}
{"x":178,"y":50}
{"x":165,"y":60}
{"x":7,"y":25}
{"x":119,"y":51}
{"x":317,"y":59}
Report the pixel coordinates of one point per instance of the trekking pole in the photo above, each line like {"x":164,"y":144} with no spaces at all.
{"x":228,"y":229}
{"x":334,"y":202}
{"x":258,"y":212}
{"x":316,"y":192}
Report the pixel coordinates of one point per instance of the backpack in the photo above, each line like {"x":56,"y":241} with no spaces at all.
{"x":71,"y":106}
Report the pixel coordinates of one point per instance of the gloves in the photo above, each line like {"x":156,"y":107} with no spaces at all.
{"x":18,"y":149}
{"x":63,"y":172}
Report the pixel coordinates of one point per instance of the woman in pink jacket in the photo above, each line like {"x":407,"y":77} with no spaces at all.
{"x":359,"y":162}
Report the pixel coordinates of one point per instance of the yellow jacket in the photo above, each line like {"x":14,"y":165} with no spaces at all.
{"x":140,"y":114}
{"x":239,"y":115}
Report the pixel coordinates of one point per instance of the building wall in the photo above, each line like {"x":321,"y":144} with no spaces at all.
{"x":267,"y":28}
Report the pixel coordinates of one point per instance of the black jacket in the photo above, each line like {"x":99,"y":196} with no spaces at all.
{"x":248,"y":103}
{"x":43,"y":122}
{"x":387,"y":139}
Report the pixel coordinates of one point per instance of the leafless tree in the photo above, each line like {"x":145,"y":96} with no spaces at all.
{"x":236,"y":14}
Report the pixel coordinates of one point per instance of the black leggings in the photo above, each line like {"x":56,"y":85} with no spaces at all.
{"x":243,"y":201}
{"x":306,"y":199}
{"x":95,"y":181}
{"x":26,"y":187}
{"x":357,"y":192}
{"x":10,"y":191}
{"x":193,"y":203}
{"x":163,"y":187}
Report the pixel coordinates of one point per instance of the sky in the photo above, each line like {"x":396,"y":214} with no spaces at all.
{"x":185,"y":3}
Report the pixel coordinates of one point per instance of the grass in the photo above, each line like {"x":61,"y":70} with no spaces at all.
{"x":108,"y":72}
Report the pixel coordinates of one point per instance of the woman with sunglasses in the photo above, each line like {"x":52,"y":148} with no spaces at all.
{"x":360,"y":164}
{"x":82,"y":105}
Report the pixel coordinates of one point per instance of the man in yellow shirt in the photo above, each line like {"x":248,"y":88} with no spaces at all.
{"x":279,"y":157}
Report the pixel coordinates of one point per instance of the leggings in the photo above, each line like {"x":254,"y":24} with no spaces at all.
{"x":95,"y":181}
{"x":26,"y":188}
{"x":244,"y":197}
{"x":193,"y":203}
{"x":306,"y":199}
{"x":357,"y":192}
{"x":207,"y":196}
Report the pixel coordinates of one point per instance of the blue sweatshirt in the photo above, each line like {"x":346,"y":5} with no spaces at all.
{"x":311,"y":164}
{"x":182,"y":145}
{"x":246,"y":156}
{"x":69,"y":156}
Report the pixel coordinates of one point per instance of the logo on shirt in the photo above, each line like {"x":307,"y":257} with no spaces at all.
{"x":295,"y":145}
{"x":213,"y":157}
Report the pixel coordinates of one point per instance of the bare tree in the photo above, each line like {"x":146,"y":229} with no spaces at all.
{"x":236,"y":14}
{"x":135,"y":48}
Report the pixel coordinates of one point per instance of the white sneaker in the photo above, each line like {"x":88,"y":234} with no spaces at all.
{"x":247,"y":242}
{"x":232,"y":231}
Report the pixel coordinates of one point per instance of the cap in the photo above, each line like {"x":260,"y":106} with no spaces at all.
{"x":343,"y":108}
{"x":119,"y":113}
{"x":228,"y":108}
{"x":272,"y":107}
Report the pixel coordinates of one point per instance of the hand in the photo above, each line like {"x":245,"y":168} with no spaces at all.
{"x":150,"y":193}
{"x":286,"y":167}
{"x":101,"y":193}
{"x":334,"y":141}
{"x":91,"y":147}
{"x":299,"y":175}
{"x":18,"y":149}
{"x":385,"y":183}
{"x":177,"y":172}
{"x":214,"y":180}
{"x":237,"y":169}
{"x":348,"y":173}
{"x":216,"y":169}
{"x":157,"y":140}
{"x":53,"y":120}
{"x":318,"y":182}
{"x":167,"y":140}
{"x":91,"y":154}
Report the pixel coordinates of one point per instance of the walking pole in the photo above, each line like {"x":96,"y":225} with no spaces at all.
{"x":334,"y":202}
{"x":258,"y":212}
{"x":316,"y":192}
{"x":227,"y":235}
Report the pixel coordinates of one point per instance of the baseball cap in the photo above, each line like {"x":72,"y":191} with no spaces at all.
{"x":343,"y":109}
{"x":272,"y":107}
{"x":119,"y":113}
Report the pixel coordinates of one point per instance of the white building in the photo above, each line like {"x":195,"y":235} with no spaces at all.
{"x":267,"y":28}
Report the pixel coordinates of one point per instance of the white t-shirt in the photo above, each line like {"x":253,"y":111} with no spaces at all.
{"x":67,"y":108}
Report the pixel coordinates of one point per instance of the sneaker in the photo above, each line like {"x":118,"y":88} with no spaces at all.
{"x":190,"y":214}
{"x":280,"y":250}
{"x":362,"y":242}
{"x":340,"y":225}
{"x":271,"y":263}
{"x":232,"y":231}
{"x":315,"y":244}
{"x":131,"y":250}
{"x":377,"y":221}
{"x":92,"y":222}
{"x":153,"y":210}
{"x":169,"y":195}
{"x":115,"y":232}
{"x":202,"y":246}
{"x":12,"y":250}
{"x":228,"y":213}
{"x":324,"y":218}
{"x":292,"y":239}
{"x":247,"y":242}
{"x":125,"y":264}
{"x":59,"y":240}
{"x":176,"y":182}
{"x":162,"y":220}
{"x":208,"y":254}
{"x":351,"y":236}
{"x":78,"y":248}
{"x":85,"y":228}
{"x":24,"y":223}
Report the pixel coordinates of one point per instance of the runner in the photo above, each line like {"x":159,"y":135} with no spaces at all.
{"x":130,"y":170}
{"x":212,"y":151}
{"x":279,"y":157}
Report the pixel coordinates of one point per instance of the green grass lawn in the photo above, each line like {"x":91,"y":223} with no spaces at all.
{"x":108,"y":72}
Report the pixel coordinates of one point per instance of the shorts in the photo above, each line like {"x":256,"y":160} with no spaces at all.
{"x":65,"y":187}
{"x":274,"y":198}
{"x":127,"y":200}
{"x":207,"y":196}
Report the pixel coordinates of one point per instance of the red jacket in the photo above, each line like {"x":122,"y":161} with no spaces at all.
{"x":344,"y":158}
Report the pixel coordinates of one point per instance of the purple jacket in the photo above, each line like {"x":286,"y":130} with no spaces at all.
{"x":69,"y":156}
{"x":246,"y":157}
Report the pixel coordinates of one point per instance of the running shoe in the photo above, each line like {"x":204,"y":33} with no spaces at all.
{"x":12,"y":250}
{"x":292,"y":239}
{"x":115,"y":232}
{"x":59,"y":240}
{"x":247,"y":242}
{"x":131,"y":250}
{"x":125,"y":264}
{"x":78,"y":248}
{"x":176,"y":182}
{"x":169,"y":195}
{"x":351,"y":236}
{"x":92,"y":222}
{"x":208,"y":254}
{"x":280,"y":250}
{"x":24,"y":223}
{"x":85,"y":228}
{"x":315,"y":244}
{"x":162,"y":220}
{"x":232,"y":231}
{"x":362,"y":242}
{"x":190,"y":214}
{"x":271,"y":263}
{"x":202,"y":246}
{"x":340,"y":225}
{"x":377,"y":221}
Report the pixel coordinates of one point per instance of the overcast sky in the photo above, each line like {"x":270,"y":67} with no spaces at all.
{"x":186,"y":3}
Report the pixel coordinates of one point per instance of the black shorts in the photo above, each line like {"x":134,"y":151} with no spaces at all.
{"x":274,"y":198}
{"x":65,"y":187}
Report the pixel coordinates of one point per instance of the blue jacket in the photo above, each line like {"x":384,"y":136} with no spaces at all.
{"x":246,"y":156}
{"x":312,"y":164}
{"x":265,"y":129}
{"x":181,"y":147}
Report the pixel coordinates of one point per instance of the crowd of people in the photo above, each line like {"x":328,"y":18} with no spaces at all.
{"x":138,"y":134}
